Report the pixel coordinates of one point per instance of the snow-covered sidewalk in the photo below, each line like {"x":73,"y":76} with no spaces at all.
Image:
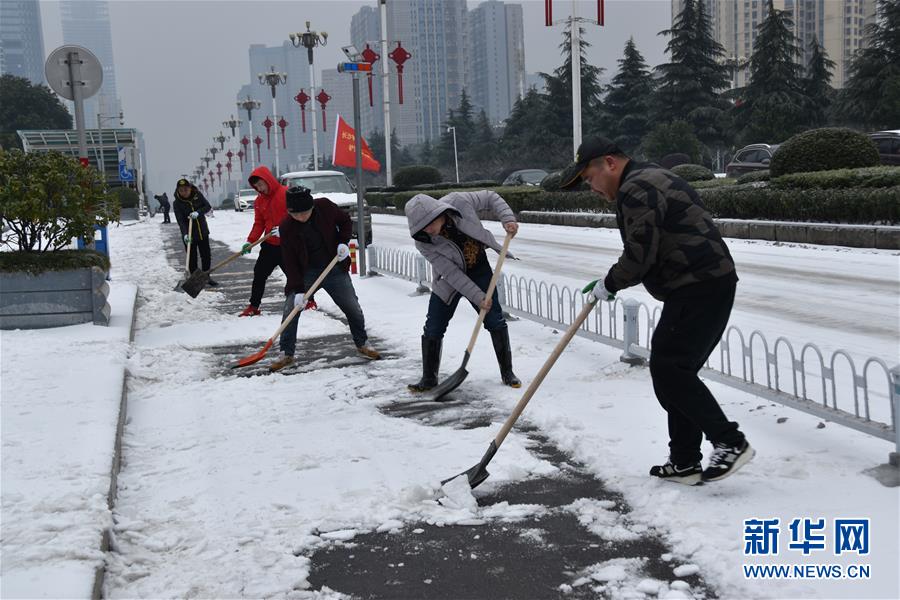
{"x":230,"y":483}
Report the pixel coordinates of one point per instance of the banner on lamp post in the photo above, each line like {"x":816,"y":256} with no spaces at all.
{"x":344,"y":152}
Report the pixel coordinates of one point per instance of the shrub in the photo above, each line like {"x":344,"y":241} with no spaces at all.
{"x":754,"y":176}
{"x":406,"y":177}
{"x":46,"y":199}
{"x":519,"y":198}
{"x":62,"y":260}
{"x":713,"y":183}
{"x":670,"y":161}
{"x":836,"y":205}
{"x":824,"y":150}
{"x":867,"y":177}
{"x":690,"y":172}
{"x":128,"y":198}
{"x":551,"y":183}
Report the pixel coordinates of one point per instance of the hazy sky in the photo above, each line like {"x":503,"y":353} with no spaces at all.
{"x":179,"y":63}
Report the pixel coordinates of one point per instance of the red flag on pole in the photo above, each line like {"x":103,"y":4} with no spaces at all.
{"x":344,"y":152}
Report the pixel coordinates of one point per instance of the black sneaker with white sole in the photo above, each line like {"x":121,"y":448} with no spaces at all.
{"x":726,"y":459}
{"x":686,"y":474}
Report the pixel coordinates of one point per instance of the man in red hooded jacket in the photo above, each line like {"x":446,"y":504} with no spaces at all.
{"x":268,"y":211}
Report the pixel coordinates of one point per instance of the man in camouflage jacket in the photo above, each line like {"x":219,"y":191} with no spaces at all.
{"x":672,"y":246}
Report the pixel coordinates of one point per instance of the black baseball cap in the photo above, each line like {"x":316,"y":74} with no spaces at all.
{"x":298,"y":199}
{"x":183,"y":183}
{"x":590,"y":148}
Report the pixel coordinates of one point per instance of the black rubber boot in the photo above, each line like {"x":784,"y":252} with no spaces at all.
{"x":431,"y":363}
{"x":500,"y":337}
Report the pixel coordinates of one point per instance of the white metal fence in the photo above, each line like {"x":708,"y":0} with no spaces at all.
{"x":836,"y":388}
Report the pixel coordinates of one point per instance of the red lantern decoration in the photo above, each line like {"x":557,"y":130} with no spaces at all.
{"x":268,"y":125}
{"x":219,"y":172}
{"x":229,"y":154}
{"x":323,"y":99}
{"x":283,"y":124}
{"x":302,"y":98}
{"x":228,"y":166}
{"x":400,"y":55}
{"x":370,"y":56}
{"x":241,"y":156}
{"x":245,"y":142}
{"x":257,"y":140}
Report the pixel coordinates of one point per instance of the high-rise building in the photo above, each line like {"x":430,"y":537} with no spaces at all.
{"x":496,"y":63}
{"x":434,"y":32}
{"x":365,"y":29}
{"x":22,"y":40}
{"x":839,"y":25}
{"x":340,"y":88}
{"x":86,"y":23}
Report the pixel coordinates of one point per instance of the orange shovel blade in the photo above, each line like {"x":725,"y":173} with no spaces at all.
{"x":253,"y":358}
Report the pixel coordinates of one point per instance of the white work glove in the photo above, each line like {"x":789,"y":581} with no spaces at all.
{"x":596,"y":292}
{"x":275,"y":232}
{"x":194,"y":215}
{"x":187,"y":239}
{"x":343,"y":251}
{"x":298,"y":300}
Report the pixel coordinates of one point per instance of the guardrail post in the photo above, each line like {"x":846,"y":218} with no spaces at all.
{"x":631,"y":333}
{"x":371,"y":261}
{"x":894,"y":457}
{"x":421,"y":270}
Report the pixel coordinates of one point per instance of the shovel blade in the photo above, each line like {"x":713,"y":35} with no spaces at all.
{"x":448,"y":385}
{"x":194,"y":284}
{"x":477,"y":474}
{"x":253,"y":358}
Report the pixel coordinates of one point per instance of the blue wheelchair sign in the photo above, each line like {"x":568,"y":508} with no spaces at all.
{"x":125,"y":174}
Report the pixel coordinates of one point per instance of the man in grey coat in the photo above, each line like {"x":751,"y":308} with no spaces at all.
{"x":449,"y":234}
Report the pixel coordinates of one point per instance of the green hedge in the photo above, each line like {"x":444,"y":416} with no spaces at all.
{"x":443,"y":185}
{"x":690,"y":172}
{"x":61,"y":260}
{"x":416,"y":175}
{"x":713,"y":183}
{"x":824,"y":149}
{"x":867,"y":177}
{"x":755,"y":176}
{"x":836,"y":205}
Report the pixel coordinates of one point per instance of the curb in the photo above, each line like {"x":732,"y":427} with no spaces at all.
{"x":882,"y":237}
{"x":115,"y":466}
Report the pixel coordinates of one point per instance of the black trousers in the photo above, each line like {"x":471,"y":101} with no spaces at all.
{"x":166,"y":218}
{"x":692,"y":323}
{"x":205,"y":256}
{"x":269,"y":258}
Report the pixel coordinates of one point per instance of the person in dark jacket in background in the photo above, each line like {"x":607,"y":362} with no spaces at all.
{"x":449,"y":234}
{"x":164,"y":206}
{"x":313,"y":233}
{"x":189,"y":204}
{"x":673,"y":247}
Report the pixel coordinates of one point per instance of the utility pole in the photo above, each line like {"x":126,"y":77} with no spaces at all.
{"x":386,"y":94}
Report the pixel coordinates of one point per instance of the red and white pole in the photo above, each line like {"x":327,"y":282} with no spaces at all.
{"x":353,"y":270}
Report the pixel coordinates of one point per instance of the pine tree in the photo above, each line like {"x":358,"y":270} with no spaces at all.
{"x":817,"y":83}
{"x":774,"y":105}
{"x":871,"y":96}
{"x":626,"y":108}
{"x":529,"y":138}
{"x":689,"y":85}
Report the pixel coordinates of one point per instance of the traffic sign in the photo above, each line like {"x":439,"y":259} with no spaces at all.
{"x":56,"y":69}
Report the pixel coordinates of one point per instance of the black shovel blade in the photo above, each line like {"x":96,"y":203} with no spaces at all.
{"x":194,"y":284}
{"x":451,"y":383}
{"x":477,"y":474}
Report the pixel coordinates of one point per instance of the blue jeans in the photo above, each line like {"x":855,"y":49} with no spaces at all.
{"x":439,"y":314}
{"x":340,"y":288}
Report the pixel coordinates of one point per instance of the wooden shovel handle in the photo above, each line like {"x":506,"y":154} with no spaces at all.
{"x":225,"y":261}
{"x":312,"y":290}
{"x":536,"y":382}
{"x":490,"y":292}
{"x":187,"y":251}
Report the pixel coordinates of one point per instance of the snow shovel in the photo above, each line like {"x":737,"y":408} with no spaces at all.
{"x":255,"y":358}
{"x":455,"y":380}
{"x":477,"y":474}
{"x":187,"y":255}
{"x":197,"y":281}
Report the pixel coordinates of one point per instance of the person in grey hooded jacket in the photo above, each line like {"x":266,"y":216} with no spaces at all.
{"x":449,"y":234}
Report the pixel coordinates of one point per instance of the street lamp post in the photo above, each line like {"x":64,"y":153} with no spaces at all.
{"x":249,"y":105}
{"x":100,"y":119}
{"x":221,"y":139}
{"x":273,"y":79}
{"x":309,"y":40}
{"x":455,"y":156}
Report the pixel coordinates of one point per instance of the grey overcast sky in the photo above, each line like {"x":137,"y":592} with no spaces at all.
{"x":179,"y":63}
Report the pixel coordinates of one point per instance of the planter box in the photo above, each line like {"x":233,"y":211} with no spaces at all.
{"x":53,"y":299}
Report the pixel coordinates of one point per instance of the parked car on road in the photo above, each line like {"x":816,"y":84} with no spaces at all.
{"x":335,"y":186}
{"x":245,"y":200}
{"x":526,"y":177}
{"x":888,"y":143}
{"x":755,"y":157}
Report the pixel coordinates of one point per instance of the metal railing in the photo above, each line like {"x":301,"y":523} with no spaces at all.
{"x":866,"y":399}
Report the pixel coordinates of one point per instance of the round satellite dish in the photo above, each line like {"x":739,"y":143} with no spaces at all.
{"x":56,"y":69}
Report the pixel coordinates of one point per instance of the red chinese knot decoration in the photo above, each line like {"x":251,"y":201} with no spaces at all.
{"x":323,"y":99}
{"x":302,"y":98}
{"x":282,"y":124}
{"x":258,"y":141}
{"x":400,"y":55}
{"x":268,"y":125}
{"x":370,"y":56}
